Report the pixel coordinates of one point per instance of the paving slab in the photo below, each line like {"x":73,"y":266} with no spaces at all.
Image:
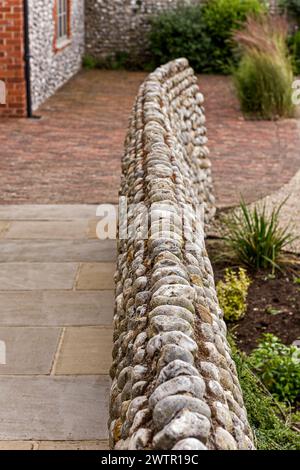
{"x":16,"y":445}
{"x":85,"y":350}
{"x":73,"y":445}
{"x":51,"y":250}
{"x":28,"y":350}
{"x":92,"y":227}
{"x":96,"y":276}
{"x":289,"y":215}
{"x":48,"y":229}
{"x":4,"y":226}
{"x":37,"y":276}
{"x":54,"y":408}
{"x":47,"y":211}
{"x":56,"y":308}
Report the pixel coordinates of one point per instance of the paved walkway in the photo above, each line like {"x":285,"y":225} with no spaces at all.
{"x":72,"y":154}
{"x":290,"y":212}
{"x":56,"y":298}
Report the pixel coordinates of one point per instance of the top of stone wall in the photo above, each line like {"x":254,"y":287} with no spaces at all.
{"x":175,"y":384}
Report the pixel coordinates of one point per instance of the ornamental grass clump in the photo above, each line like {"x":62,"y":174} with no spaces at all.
{"x":264,"y":76}
{"x":255,"y":236}
{"x":232,"y":294}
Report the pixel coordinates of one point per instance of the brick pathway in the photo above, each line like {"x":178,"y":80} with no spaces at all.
{"x":72,"y":154}
{"x":56,"y":298}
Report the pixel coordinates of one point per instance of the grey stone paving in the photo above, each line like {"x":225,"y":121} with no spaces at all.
{"x":53,"y":408}
{"x":47,"y":211}
{"x":29,"y":350}
{"x":56,"y":308}
{"x":52,"y":251}
{"x":56,"y":305}
{"x":37,"y":276}
{"x":290,"y":212}
{"x":85,"y":350}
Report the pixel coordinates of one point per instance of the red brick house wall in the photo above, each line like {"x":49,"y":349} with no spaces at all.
{"x":12,"y":70}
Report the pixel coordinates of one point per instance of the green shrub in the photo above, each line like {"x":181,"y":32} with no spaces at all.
{"x":294,"y":45}
{"x":255,"y":236}
{"x":292,"y":7}
{"x":278,"y":366}
{"x":118,"y":61}
{"x":269,"y":426}
{"x":232,"y":294}
{"x":264,"y":76}
{"x":222,"y":17}
{"x":89,"y":62}
{"x":181,"y":33}
{"x":201,"y":33}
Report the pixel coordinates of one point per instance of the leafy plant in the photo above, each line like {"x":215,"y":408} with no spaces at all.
{"x":294,"y":45}
{"x":270,"y":425}
{"x":264,"y":76}
{"x":273,"y":311}
{"x":180,"y":33}
{"x":292,"y":7}
{"x":256,"y":237}
{"x":117,"y":61}
{"x":89,"y":62}
{"x":278,"y":366}
{"x":201,"y":33}
{"x":222,"y":18}
{"x":232,"y":294}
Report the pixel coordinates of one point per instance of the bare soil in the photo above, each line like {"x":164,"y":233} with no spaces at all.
{"x":273,"y":301}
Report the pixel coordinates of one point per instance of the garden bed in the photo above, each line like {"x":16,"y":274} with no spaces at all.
{"x":273,"y":301}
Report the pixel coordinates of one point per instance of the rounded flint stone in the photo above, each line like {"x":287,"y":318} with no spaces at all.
{"x":170,"y":352}
{"x":168,"y":407}
{"x":173,"y":337}
{"x":168,"y":281}
{"x":161,"y":323}
{"x":173,"y":311}
{"x":139,"y":419}
{"x":215,"y":389}
{"x":167,"y":271}
{"x":185,"y":424}
{"x":174,"y":369}
{"x":222,"y":415}
{"x":224,"y":440}
{"x":190,"y":443}
{"x":209,"y":370}
{"x":176,"y":290}
{"x":135,"y":405}
{"x":192,"y":385}
{"x":178,"y":301}
{"x":124,"y":376}
{"x":139,"y":439}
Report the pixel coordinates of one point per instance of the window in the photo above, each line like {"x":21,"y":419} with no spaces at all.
{"x":62,"y":20}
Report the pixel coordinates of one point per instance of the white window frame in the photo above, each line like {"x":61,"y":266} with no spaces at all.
{"x":62,"y":18}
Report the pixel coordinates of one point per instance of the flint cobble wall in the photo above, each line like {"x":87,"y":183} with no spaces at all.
{"x":121,"y":25}
{"x":51,"y":66}
{"x":174,"y":383}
